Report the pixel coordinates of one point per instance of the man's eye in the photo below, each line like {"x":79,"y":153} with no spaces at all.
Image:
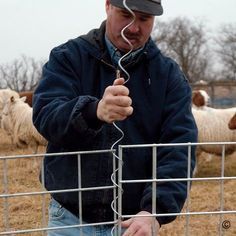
{"x":126,"y":15}
{"x":143,"y":18}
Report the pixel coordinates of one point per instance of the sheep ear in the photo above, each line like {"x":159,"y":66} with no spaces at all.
{"x":23,"y":99}
{"x":12,"y":99}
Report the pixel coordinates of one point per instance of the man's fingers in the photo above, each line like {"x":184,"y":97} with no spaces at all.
{"x":141,"y":226}
{"x":131,"y":228}
{"x":120,"y":113}
{"x":117,"y":90}
{"x":126,"y":223}
{"x":123,"y":101}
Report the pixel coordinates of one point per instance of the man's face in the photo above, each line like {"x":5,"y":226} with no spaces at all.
{"x":138,"y":33}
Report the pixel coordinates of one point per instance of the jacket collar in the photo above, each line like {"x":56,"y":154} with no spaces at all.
{"x":98,"y":48}
{"x":115,"y":54}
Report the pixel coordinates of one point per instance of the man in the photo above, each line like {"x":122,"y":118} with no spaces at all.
{"x":79,"y":98}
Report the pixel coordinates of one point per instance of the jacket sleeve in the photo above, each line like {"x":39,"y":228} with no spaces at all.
{"x":61,"y":113}
{"x":178,"y":126}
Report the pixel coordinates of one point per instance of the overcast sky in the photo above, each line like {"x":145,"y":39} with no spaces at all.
{"x":34,"y":27}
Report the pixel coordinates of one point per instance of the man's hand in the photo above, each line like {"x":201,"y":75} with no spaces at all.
{"x":141,"y":226}
{"x":115,"y":104}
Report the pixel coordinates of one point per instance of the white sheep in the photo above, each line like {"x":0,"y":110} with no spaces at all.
{"x":212,"y":123}
{"x":213,"y":127}
{"x":19,"y":115}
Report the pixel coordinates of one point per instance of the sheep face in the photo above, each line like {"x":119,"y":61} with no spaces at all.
{"x":6,"y":122}
{"x":5,"y":94}
{"x":200,"y":98}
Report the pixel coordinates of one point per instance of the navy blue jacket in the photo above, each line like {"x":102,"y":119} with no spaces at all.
{"x":64,"y":112}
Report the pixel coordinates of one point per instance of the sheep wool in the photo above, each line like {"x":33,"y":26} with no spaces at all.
{"x":19,"y":114}
{"x":213,"y":127}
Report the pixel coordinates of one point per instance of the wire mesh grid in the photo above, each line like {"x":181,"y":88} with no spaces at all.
{"x":24,"y":209}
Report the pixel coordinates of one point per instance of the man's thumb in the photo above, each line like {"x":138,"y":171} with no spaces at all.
{"x":119,"y":81}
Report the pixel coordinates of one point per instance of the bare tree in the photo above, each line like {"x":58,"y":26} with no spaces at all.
{"x":226,"y":41}
{"x":22,"y":74}
{"x":186,"y":42}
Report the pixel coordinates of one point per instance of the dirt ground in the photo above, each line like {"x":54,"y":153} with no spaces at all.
{"x":205,"y":196}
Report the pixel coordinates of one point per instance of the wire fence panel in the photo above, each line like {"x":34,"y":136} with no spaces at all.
{"x":210,"y":207}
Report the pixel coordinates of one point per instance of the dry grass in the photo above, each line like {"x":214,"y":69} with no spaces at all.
{"x":26,"y":212}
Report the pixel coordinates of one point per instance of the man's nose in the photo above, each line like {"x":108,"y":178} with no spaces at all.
{"x":134,"y":28}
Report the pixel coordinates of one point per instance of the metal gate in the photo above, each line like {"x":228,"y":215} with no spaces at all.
{"x":23,"y":209}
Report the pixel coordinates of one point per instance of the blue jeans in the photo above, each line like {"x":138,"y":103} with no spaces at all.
{"x":59,"y":216}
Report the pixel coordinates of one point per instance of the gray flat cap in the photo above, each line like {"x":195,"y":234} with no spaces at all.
{"x":152,"y":7}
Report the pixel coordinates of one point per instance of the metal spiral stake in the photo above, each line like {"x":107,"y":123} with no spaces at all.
{"x":117,"y":230}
